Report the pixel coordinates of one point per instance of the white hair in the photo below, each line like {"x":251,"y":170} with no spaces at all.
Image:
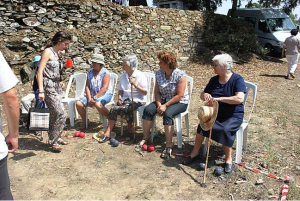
{"x":132,"y":61}
{"x":224,"y":60}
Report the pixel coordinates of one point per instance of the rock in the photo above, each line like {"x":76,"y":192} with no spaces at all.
{"x":31,"y":21}
{"x":44,"y":29}
{"x":271,"y":191}
{"x":165,"y":27}
{"x":26,"y":40}
{"x":259,"y":181}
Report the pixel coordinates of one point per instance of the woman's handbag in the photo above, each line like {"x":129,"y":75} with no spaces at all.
{"x":38,"y":118}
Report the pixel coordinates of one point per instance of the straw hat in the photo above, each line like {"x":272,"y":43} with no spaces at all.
{"x":207,"y":115}
{"x":99,"y":135}
{"x":98,"y":58}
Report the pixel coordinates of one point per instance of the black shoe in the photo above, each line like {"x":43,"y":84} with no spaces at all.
{"x":189,"y":160}
{"x":228,"y":167}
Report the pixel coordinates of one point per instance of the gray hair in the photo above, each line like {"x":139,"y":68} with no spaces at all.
{"x":132,"y":61}
{"x":224,"y":60}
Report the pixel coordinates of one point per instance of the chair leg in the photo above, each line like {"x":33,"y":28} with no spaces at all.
{"x":76,"y":112}
{"x":178,"y":122}
{"x":104,"y":122}
{"x":245,"y":133}
{"x":122,"y":129}
{"x":239,"y":145}
{"x":152,"y":130}
{"x":141,"y":112}
{"x":187,"y":124}
{"x":86,"y":118}
{"x":137,"y":118}
{"x":71,"y":113}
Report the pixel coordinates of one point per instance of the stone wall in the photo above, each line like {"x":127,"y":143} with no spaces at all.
{"x":97,"y":27}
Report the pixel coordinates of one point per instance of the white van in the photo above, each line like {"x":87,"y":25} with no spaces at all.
{"x":272,"y":26}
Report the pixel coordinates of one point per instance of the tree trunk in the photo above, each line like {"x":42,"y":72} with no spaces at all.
{"x":207,"y":5}
{"x":234,"y":6}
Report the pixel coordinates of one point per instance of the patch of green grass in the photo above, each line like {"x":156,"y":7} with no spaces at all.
{"x":294,"y":193}
{"x":256,"y":121}
{"x":272,"y":157}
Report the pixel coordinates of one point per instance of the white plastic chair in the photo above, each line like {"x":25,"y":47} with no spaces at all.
{"x":241,"y":134}
{"x":113,"y":82}
{"x":80,"y":79}
{"x":0,"y":119}
{"x":150,"y":93}
{"x":178,"y":118}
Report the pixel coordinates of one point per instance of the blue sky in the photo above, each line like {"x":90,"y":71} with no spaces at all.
{"x":227,"y":5}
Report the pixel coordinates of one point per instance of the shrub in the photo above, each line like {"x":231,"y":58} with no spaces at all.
{"x":222,"y":33}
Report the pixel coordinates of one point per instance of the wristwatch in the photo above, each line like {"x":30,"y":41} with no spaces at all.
{"x":95,"y":97}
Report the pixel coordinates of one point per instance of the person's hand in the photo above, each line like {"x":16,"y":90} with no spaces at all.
{"x":120,"y":102}
{"x":132,"y":81}
{"x":161,"y":109}
{"x":207,"y":97}
{"x":42,"y":96}
{"x":91,"y":102}
{"x":62,"y":85}
{"x":12,"y":143}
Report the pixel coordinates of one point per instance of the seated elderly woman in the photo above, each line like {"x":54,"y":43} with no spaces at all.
{"x":134,"y":77}
{"x":171,"y":99}
{"x":98,"y":89}
{"x":228,"y":88}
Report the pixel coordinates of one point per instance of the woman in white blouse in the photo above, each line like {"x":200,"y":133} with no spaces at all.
{"x":134,"y":77}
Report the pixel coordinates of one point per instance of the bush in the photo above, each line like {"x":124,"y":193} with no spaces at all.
{"x":222,"y":33}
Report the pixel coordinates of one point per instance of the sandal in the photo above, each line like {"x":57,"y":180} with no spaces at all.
{"x":56,"y":148}
{"x":62,"y":142}
{"x":166,"y":153}
{"x":104,"y":139}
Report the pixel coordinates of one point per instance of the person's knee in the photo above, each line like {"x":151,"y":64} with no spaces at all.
{"x":79,"y":104}
{"x":147,"y":111}
{"x":168,"y":118}
{"x":98,"y":105}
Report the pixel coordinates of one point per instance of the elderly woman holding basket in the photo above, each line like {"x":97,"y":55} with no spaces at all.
{"x":228,"y":89}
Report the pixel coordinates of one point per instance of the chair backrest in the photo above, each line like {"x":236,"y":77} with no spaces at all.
{"x":150,"y":79}
{"x":253,"y":87}
{"x":189,"y":84}
{"x":0,"y":119}
{"x":113,"y":82}
{"x":80,"y":79}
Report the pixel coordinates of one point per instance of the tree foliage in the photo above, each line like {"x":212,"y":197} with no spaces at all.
{"x":287,"y":5}
{"x":203,"y":5}
{"x":229,"y":35}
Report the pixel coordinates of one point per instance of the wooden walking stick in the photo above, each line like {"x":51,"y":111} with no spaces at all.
{"x":206,"y":160}
{"x":134,"y":140}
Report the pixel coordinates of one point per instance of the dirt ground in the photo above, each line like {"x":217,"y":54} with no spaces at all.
{"x":86,"y":169}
